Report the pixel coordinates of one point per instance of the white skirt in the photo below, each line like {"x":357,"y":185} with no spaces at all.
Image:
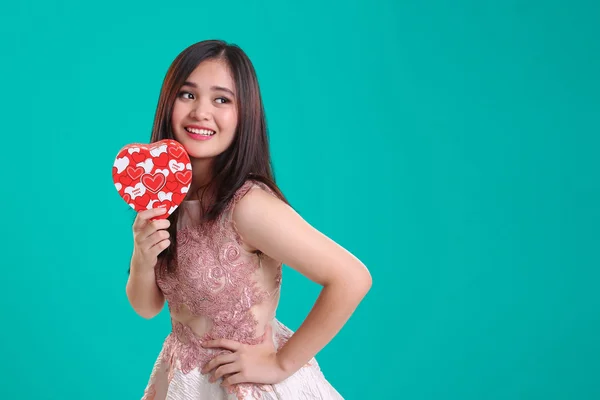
{"x":168,"y":381}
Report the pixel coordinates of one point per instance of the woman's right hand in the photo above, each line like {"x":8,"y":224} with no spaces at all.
{"x":150,"y":238}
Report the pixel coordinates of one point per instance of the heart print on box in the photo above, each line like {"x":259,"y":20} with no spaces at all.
{"x":153,"y":175}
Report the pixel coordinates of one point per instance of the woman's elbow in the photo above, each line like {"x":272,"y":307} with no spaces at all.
{"x":358,"y":282}
{"x":364,"y":282}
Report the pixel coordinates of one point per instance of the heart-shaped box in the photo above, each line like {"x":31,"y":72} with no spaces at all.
{"x":153,"y":175}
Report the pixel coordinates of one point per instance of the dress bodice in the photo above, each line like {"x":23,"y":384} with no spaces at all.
{"x":219,"y":289}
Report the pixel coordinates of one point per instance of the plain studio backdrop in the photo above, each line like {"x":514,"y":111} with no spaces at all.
{"x":451,"y":146}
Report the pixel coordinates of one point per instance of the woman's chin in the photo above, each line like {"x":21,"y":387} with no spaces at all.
{"x":201,"y":156}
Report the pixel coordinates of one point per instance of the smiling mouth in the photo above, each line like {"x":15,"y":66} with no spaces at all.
{"x":202,"y":132}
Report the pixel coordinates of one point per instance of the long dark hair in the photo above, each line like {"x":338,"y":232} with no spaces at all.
{"x":248,"y":156}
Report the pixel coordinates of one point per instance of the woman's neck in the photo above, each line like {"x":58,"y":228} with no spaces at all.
{"x":201,"y":177}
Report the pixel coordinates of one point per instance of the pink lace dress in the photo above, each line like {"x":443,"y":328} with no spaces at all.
{"x":221,"y":290}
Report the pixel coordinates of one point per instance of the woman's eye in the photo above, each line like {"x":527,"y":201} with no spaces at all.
{"x":184,"y":94}
{"x":224,"y":100}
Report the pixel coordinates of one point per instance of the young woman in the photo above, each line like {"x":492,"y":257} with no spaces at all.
{"x":217,"y":259}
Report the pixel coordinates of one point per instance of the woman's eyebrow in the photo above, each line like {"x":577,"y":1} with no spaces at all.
{"x":221,"y":88}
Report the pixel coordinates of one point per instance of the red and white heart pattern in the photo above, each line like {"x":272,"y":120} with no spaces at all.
{"x":153,"y":175}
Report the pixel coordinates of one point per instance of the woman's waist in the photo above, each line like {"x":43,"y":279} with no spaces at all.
{"x":183,"y":346}
{"x":194,"y":330}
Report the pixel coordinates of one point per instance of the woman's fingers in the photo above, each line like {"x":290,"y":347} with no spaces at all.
{"x":219,"y":360}
{"x":143,"y":217}
{"x":150,"y":236}
{"x":152,"y":228}
{"x":159,"y":247}
{"x":227,"y":369}
{"x":154,"y":239}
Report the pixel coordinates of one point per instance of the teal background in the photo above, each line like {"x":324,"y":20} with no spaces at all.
{"x":451,"y":146}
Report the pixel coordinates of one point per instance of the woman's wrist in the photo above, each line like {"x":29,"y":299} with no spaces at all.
{"x":287,"y":368}
{"x":139,"y":267}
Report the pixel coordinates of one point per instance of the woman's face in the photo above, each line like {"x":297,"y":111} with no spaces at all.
{"x":205,"y":114}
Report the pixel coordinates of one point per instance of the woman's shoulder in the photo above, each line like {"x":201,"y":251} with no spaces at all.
{"x":249,"y":185}
{"x":254,"y":199}
{"x":246,"y":205}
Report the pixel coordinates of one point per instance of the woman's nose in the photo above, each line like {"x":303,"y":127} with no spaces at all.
{"x":201,"y":111}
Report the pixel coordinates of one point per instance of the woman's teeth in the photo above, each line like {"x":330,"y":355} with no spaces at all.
{"x":204,"y":132}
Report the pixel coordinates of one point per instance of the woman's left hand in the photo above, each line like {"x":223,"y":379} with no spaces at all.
{"x":247,"y":363}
